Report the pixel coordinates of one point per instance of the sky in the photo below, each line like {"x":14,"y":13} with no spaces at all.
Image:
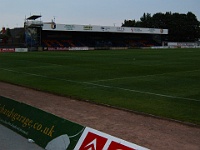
{"x":89,"y":12}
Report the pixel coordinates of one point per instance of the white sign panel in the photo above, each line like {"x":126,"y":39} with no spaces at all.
{"x":95,"y":140}
{"x":89,"y":28}
{"x":21,"y":49}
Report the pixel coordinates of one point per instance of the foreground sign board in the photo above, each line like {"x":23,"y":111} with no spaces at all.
{"x":45,"y":129}
{"x":92,"y":139}
{"x":54,"y":133}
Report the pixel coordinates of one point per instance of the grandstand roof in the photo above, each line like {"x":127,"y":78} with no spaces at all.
{"x":52,"y":26}
{"x":34,"y":17}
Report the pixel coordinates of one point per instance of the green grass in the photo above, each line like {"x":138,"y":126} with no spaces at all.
{"x":163,"y":82}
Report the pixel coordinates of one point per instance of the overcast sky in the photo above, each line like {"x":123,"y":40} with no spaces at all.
{"x":93,"y":12}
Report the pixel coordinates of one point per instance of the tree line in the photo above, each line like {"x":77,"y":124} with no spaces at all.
{"x":5,"y":34}
{"x":182,"y":27}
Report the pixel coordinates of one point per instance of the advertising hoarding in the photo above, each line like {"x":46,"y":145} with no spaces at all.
{"x":93,"y":28}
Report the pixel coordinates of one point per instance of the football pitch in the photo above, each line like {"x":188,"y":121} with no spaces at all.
{"x":163,"y":82}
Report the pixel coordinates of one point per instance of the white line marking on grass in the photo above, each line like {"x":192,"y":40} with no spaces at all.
{"x":121,"y":78}
{"x":35,"y":67}
{"x":142,"y":92}
{"x":38,"y":75}
{"x":150,"y":75}
{"x":41,"y":63}
{"x":105,"y":86}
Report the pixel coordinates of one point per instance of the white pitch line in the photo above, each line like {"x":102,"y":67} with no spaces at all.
{"x":127,"y":77}
{"x":38,"y":75}
{"x":41,"y":63}
{"x":143,"y":92}
{"x":105,"y":86}
{"x":35,"y":67}
{"x":150,"y":75}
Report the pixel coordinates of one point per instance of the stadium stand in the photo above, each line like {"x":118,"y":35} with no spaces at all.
{"x":37,"y":34}
{"x":96,"y":40}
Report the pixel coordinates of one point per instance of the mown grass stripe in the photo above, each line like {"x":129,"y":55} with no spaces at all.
{"x":105,"y":86}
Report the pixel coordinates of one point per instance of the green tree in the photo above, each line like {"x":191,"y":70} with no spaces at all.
{"x":6,"y":36}
{"x":8,"y":33}
{"x":182,"y":27}
{"x":146,"y":20}
{"x":129,"y":23}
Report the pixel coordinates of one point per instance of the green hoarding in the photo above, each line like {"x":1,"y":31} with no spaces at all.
{"x":47,"y":130}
